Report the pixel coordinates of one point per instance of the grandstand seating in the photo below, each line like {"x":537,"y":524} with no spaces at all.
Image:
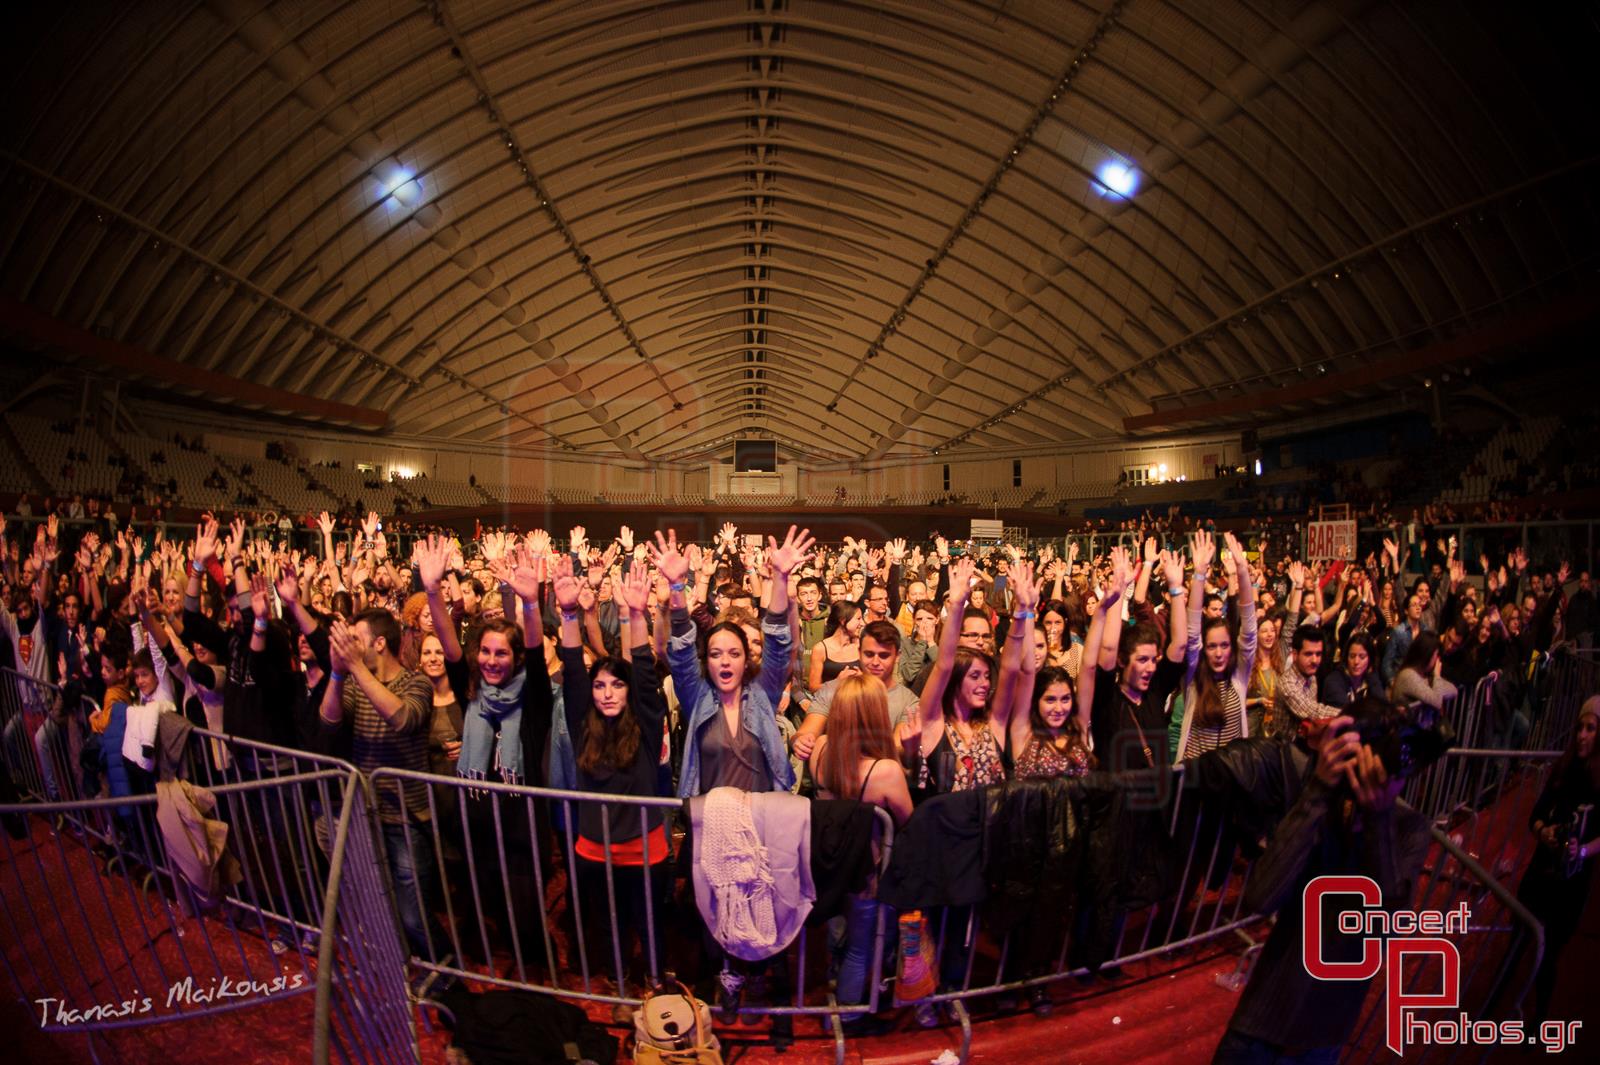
{"x":189,"y":468}
{"x":352,"y":485}
{"x":1500,"y":458}
{"x":286,"y":486}
{"x":441,"y":493}
{"x":47,"y":450}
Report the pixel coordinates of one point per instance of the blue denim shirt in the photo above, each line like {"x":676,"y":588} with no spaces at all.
{"x":1400,"y":638}
{"x":757,"y":709}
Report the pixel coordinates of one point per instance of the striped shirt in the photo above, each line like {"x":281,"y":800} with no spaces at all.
{"x":1202,"y":740}
{"x":399,"y":743}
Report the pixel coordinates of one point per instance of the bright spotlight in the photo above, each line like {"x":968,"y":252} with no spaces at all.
{"x":1118,"y":180}
{"x":403,"y":187}
{"x":1258,"y":467}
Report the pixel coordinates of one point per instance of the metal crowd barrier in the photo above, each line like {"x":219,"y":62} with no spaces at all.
{"x":549,"y":937}
{"x":1499,"y":953}
{"x":42,"y":730}
{"x":1206,"y":904}
{"x":1563,"y":681}
{"x":307,"y":915}
{"x":1457,"y":783}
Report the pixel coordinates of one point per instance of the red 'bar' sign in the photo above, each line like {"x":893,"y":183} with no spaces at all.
{"x":1331,"y":539}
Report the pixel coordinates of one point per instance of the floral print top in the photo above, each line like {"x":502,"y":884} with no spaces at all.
{"x":1042,"y":758}
{"x":977,"y":763}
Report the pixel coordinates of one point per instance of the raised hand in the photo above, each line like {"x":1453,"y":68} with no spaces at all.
{"x":1116,"y":585}
{"x":1122,"y":566}
{"x":528,"y":573}
{"x":625,"y":538}
{"x":1563,"y":572}
{"x":961,"y":571}
{"x":260,"y":594}
{"x":1202,"y":550}
{"x":1297,"y":574}
{"x":538,"y":542}
{"x":636,"y":589}
{"x":895,"y":551}
{"x":727,"y":534}
{"x":369,"y":525}
{"x":235,"y":542}
{"x":564,"y":585}
{"x":578,"y":539}
{"x":1151,"y":551}
{"x":1172,"y":568}
{"x":430,"y":556}
{"x":1235,"y":551}
{"x":288,"y":584}
{"x":1025,"y":589}
{"x":325,"y":523}
{"x":1392,"y":549}
{"x":205,"y":540}
{"x":666,"y":557}
{"x":787,"y":556}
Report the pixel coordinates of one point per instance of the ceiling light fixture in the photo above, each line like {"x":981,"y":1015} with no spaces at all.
{"x":1117,"y":180}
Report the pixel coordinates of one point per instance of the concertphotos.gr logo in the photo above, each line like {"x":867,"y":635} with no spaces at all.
{"x":1388,"y":939}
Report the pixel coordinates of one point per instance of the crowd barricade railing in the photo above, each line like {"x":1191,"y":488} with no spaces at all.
{"x":43,"y":728}
{"x":137,"y":939}
{"x":1562,"y":682}
{"x":1499,"y":952}
{"x":284,"y":837}
{"x":197,"y":949}
{"x":1452,"y":783}
{"x":1205,"y":903}
{"x":565,"y":935}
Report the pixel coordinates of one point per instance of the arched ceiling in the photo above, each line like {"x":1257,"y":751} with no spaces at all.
{"x":861,"y":228}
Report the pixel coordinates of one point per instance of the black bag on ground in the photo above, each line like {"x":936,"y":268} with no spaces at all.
{"x":525,"y":1028}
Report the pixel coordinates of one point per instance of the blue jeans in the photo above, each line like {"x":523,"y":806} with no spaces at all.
{"x":860,"y":921}
{"x":1237,"y":1048}
{"x":412,"y":872}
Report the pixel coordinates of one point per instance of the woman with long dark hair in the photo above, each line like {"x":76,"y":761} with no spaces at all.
{"x":1052,"y":739}
{"x":1419,"y":679}
{"x":955,"y":738}
{"x":1556,"y":885}
{"x":1358,"y":676}
{"x":840,"y":646}
{"x":1218,"y":668}
{"x":614,"y":713}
